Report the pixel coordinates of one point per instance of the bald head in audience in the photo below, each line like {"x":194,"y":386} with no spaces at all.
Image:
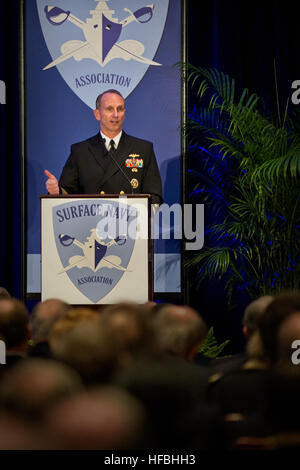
{"x":101,"y":418}
{"x":179,"y":330}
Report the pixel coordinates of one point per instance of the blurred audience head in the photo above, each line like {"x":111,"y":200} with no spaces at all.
{"x":255,"y":352}
{"x":179,"y":330}
{"x":43,"y":317}
{"x":61,"y":327}
{"x":88,"y":347}
{"x":14,"y":324}
{"x":4,"y":294}
{"x":17,"y":434}
{"x":252,"y":314}
{"x":131,"y":331}
{"x":289,"y":338}
{"x":277,"y":311}
{"x":99,"y":418}
{"x":32,"y":386}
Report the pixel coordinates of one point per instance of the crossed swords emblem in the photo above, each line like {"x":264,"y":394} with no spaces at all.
{"x":94,"y":252}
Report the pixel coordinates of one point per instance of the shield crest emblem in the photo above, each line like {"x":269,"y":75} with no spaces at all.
{"x":96,"y":45}
{"x":93,"y":260}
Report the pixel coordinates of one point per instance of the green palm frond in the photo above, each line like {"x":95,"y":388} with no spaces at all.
{"x":283,"y":167}
{"x":210,"y":347}
{"x":257,"y":240}
{"x":214,"y":261}
{"x":225,"y":146}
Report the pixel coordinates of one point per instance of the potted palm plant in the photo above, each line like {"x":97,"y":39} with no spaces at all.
{"x":245,"y":167}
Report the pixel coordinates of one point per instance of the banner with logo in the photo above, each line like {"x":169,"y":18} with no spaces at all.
{"x":76,"y":49}
{"x":95,"y":250}
{"x":119,"y":43}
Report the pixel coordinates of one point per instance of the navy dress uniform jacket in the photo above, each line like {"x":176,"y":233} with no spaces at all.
{"x":91,"y":170}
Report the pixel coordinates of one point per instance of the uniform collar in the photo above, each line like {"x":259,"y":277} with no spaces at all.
{"x":116,"y":139}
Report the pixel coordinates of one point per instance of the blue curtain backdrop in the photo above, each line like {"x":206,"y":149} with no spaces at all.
{"x":153,"y":113}
{"x":10,"y":176}
{"x":239,"y":38}
{"x":242,"y":39}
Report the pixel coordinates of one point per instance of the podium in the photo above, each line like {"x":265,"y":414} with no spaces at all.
{"x":96,"y":249}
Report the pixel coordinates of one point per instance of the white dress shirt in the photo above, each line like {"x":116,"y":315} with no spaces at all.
{"x":107,"y":140}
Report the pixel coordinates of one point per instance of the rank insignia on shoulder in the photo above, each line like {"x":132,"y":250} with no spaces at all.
{"x":134,"y":162}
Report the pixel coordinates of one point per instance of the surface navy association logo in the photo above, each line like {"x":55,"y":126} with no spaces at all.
{"x":95,"y":50}
{"x":94,"y":263}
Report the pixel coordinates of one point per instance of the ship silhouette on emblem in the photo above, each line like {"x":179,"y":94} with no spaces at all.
{"x":101,"y":32}
{"x":94,"y":253}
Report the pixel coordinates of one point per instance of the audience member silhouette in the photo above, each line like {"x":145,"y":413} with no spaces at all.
{"x":42,"y":319}
{"x":179,"y":330}
{"x":34,"y":385}
{"x":14,"y":330}
{"x":288,"y":345}
{"x":61,"y":327}
{"x":171,"y":388}
{"x":239,"y":387}
{"x":276,"y":312}
{"x":89,"y":348}
{"x":250,"y":323}
{"x":4,"y":294}
{"x":99,"y":418}
{"x":126,"y":378}
{"x":131,"y":331}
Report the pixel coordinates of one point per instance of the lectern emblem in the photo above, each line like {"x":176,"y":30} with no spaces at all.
{"x":93,"y":263}
{"x":94,"y":252}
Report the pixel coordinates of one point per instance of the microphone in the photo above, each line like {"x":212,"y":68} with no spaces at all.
{"x":108,"y":152}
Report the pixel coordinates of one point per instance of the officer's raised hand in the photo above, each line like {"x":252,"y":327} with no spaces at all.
{"x":51,"y":184}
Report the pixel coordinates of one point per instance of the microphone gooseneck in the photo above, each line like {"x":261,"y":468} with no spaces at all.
{"x":110,"y":153}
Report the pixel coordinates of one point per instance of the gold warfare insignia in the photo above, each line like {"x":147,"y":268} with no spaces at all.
{"x":134,"y":183}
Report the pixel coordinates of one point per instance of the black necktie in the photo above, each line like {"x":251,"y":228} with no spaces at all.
{"x":112,"y":146}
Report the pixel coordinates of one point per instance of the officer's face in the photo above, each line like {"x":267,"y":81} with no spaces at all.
{"x":111,"y":114}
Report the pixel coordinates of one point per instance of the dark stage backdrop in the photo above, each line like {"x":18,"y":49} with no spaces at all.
{"x":10,"y":161}
{"x":243,"y":39}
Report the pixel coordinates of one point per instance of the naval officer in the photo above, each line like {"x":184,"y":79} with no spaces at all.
{"x":111,"y":162}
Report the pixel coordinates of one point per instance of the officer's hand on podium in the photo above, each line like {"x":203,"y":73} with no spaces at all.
{"x":51,"y":184}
